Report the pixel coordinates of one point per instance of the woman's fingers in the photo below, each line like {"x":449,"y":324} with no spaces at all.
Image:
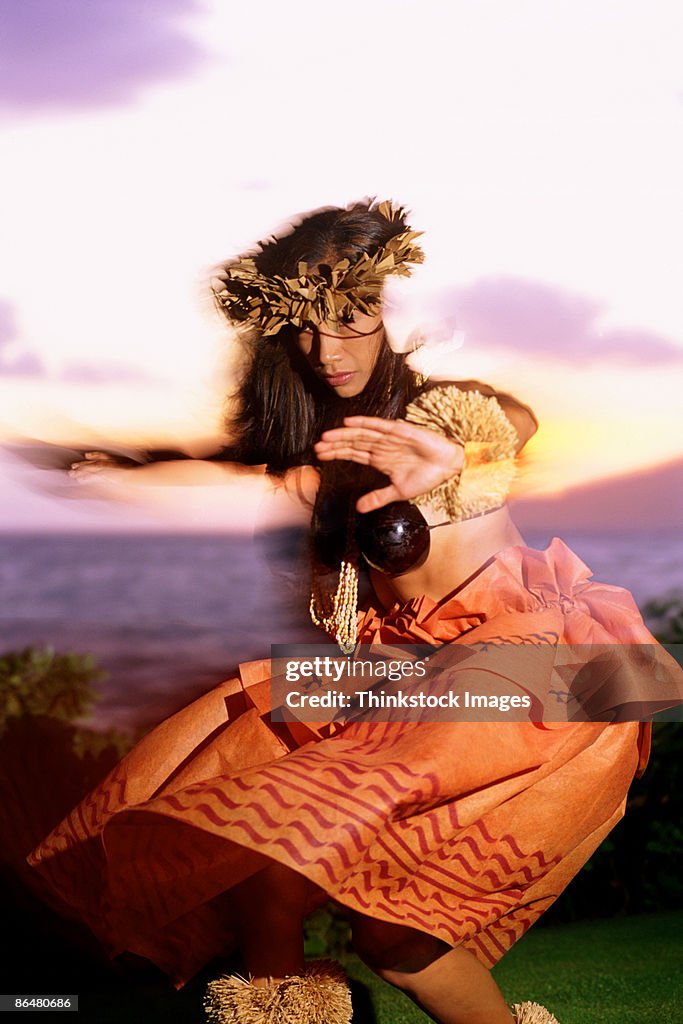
{"x":379,"y":424}
{"x":377,"y":499}
{"x":357,"y":443}
{"x":92,"y":464}
{"x":86,"y":470}
{"x":335,"y":444}
{"x":101,"y":457}
{"x":363,"y":451}
{"x":372,"y":427}
{"x":366,"y":438}
{"x":348,"y":452}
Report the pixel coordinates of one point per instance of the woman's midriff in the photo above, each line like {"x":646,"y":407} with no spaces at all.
{"x":457,"y":552}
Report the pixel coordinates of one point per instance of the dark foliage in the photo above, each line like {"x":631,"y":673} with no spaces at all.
{"x":636,"y":869}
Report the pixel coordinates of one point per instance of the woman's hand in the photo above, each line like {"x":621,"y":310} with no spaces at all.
{"x":414,"y":458}
{"x":98,"y":465}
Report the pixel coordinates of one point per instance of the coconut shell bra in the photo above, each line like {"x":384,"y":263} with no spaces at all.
{"x":393,"y":539}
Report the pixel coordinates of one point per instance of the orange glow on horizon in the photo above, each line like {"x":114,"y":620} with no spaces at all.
{"x":567,"y":453}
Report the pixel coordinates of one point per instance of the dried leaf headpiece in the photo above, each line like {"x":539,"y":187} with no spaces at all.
{"x":253,"y":299}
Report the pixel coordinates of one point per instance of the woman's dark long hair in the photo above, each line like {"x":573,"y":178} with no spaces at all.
{"x":282,"y":407}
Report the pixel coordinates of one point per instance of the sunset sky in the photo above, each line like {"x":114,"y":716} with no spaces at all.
{"x":538,"y":145}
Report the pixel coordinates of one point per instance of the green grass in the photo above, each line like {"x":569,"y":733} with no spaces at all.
{"x":620,"y":971}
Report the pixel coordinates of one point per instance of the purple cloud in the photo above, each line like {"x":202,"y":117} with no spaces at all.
{"x":505,"y":312}
{"x":638,"y":346}
{"x":8,"y":323}
{"x":85,"y":53}
{"x":105,"y":373}
{"x":25,"y":363}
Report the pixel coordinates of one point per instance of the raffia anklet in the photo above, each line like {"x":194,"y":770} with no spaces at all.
{"x":533,"y":1013}
{"x":320,"y":995}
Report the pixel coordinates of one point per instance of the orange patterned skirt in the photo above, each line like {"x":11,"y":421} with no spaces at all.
{"x":465,"y":830}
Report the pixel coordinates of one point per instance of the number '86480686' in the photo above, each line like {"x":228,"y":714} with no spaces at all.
{"x":42,"y":1002}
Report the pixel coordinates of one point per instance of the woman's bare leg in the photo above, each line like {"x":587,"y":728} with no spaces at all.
{"x":270,"y":908}
{"x":455,"y":989}
{"x":449,"y":984}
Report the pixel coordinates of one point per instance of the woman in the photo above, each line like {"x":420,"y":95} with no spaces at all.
{"x":442,"y":839}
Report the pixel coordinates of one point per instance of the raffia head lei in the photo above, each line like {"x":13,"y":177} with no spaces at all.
{"x":250,"y":298}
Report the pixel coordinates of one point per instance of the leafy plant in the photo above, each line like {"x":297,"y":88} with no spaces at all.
{"x":327,"y":932}
{"x":42,"y":682}
{"x":665,"y":618}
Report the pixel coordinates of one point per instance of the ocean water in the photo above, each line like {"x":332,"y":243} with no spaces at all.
{"x":167,"y":617}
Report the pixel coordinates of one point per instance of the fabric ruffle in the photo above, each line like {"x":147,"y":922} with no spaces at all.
{"x":518,"y":580}
{"x":583,"y":651}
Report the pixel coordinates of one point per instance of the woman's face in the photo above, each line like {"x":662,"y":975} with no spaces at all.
{"x":344,"y":355}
